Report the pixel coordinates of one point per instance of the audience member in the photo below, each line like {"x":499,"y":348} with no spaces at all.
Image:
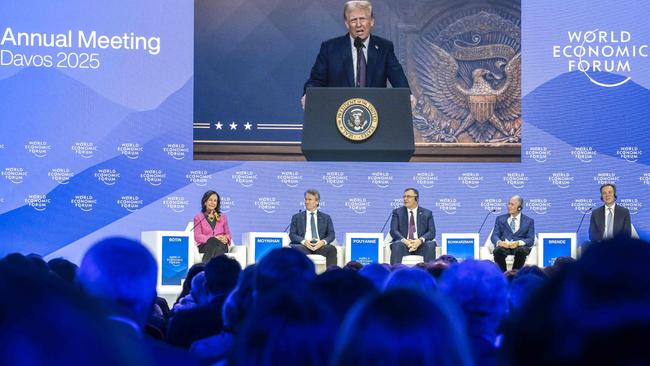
{"x":187,"y":284}
{"x":340,"y":290}
{"x":286,"y":327}
{"x":446,"y":258}
{"x":480,"y":290}
{"x":593,"y":313}
{"x":353,"y":266}
{"x":238,"y":304}
{"x":415,"y":279}
{"x":401,"y":327}
{"x":522,"y":288}
{"x":221,"y":274}
{"x":559,"y":265}
{"x":283,"y":266}
{"x":63,"y":268}
{"x":437,"y":268}
{"x":376,"y":273}
{"x":197,"y":296}
{"x":44,"y":321}
{"x":122,"y":274}
{"x":531,"y":270}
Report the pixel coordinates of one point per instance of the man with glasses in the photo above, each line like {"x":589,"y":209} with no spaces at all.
{"x":412,"y":229}
{"x":357,"y":59}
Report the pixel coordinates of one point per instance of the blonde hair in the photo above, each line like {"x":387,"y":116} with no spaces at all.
{"x":356,"y":4}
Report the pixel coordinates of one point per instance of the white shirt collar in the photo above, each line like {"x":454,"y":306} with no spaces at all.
{"x":365,"y":43}
{"x":517,"y":217}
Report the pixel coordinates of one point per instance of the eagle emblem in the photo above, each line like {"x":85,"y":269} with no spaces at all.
{"x":481,"y":110}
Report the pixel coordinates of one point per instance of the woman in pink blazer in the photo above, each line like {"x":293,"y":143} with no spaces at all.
{"x":211,"y":231}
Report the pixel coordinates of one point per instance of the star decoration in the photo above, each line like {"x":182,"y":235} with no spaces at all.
{"x":233,"y":126}
{"x":218,"y":125}
{"x":247,"y":126}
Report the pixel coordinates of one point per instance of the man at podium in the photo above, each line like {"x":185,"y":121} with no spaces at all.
{"x":312,"y":231}
{"x":357,"y":59}
{"x":412,"y":229}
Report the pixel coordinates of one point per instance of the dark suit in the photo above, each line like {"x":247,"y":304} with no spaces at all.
{"x":333,"y":66}
{"x":502,"y":231}
{"x":426,"y":230}
{"x":325,"y":232}
{"x":622,"y":223}
{"x":197,"y":323}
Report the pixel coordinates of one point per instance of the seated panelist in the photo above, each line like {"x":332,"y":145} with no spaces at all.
{"x":412,"y":229}
{"x":211,"y":231}
{"x":312,"y":231}
{"x":513,"y":234}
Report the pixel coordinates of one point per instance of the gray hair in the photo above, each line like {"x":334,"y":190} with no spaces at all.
{"x":313,"y":192}
{"x":357,"y":4}
{"x":518,"y":198}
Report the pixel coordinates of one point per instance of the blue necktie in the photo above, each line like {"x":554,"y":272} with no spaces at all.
{"x":513,"y":224}
{"x":312,"y":225}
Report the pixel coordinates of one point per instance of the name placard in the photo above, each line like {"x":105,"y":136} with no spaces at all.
{"x":174,"y":261}
{"x":461,"y":245}
{"x":364,"y":248}
{"x":264,"y":245}
{"x":555,"y":245}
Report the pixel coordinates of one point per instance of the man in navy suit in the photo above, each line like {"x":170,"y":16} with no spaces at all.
{"x":339,"y":61}
{"x":513,"y":234}
{"x":412,"y":229}
{"x":312,"y":231}
{"x":610,"y":220}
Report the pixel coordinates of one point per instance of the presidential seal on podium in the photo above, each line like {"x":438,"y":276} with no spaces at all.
{"x":357,"y":119}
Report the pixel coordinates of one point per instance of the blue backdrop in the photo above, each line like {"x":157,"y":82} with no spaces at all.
{"x":87,"y":151}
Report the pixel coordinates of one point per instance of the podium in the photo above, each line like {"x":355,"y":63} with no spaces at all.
{"x":358,"y":124}
{"x":461,"y":245}
{"x":174,"y":254}
{"x":554,"y":245}
{"x":260,"y":243}
{"x":364,"y":248}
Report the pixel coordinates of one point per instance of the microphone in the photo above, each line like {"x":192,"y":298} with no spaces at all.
{"x":287,"y":228}
{"x":358,"y":42}
{"x":485,"y":219}
{"x":200,"y":221}
{"x":386,"y":223}
{"x":583,"y":217}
